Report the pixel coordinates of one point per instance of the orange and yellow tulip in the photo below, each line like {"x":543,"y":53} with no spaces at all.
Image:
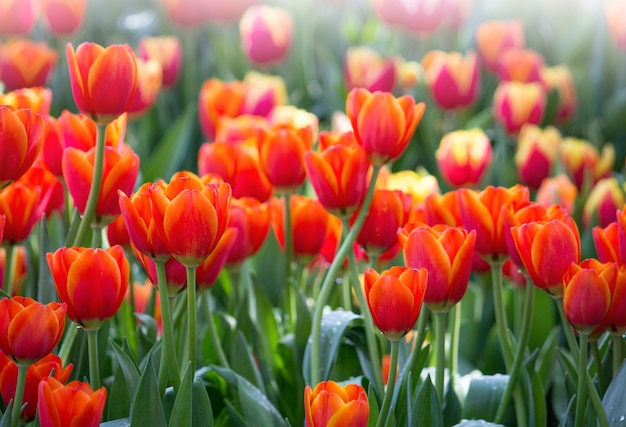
{"x":453,"y":78}
{"x":516,"y":104}
{"x":252,"y":220}
{"x":71,"y":405}
{"x":495,"y":37}
{"x":36,"y":99}
{"x":90,"y":302}
{"x":584,"y":163}
{"x":536,"y":154}
{"x":520,"y":65}
{"x":610,"y":241}
{"x":168,"y":50}
{"x":605,"y":197}
{"x":464,"y":156}
{"x":149,"y":82}
{"x":330,"y":404}
{"x":366,"y":68}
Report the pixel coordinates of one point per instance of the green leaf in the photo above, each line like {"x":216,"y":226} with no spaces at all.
{"x":614,"y":400}
{"x":127,"y":365}
{"x":122,"y":422}
{"x":426,"y":409}
{"x":452,"y":409}
{"x":147,"y":408}
{"x":538,"y":397}
{"x":374,"y":406}
{"x":118,"y":403}
{"x":46,"y":291}
{"x":202,"y":412}
{"x":477,"y":423}
{"x":546,"y":353}
{"x":181,"y":412}
{"x":244,"y":364}
{"x":334,"y":326}
{"x":5,"y":421}
{"x":483,"y":396}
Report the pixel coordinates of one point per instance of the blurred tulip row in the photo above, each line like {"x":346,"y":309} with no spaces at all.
{"x":346,"y":213}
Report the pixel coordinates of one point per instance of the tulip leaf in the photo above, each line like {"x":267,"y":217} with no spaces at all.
{"x":334,"y":326}
{"x":477,"y":423}
{"x":118,"y":404}
{"x":127,"y":365}
{"x":147,"y":408}
{"x":5,"y":421}
{"x":614,"y":400}
{"x":46,"y":291}
{"x":538,"y":399}
{"x":451,"y":408}
{"x":425,"y":408}
{"x":202,"y":411}
{"x":374,"y":406}
{"x":181,"y":412}
{"x":483,"y":396}
{"x":122,"y":422}
{"x":244,"y":364}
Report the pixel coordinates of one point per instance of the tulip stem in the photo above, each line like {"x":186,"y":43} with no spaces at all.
{"x":567,"y":329}
{"x":617,"y":353}
{"x":19,"y":394}
{"x":501,"y":323}
{"x":94,"y":190}
{"x":96,"y":236}
{"x":370,"y":332}
{"x":94,"y":364}
{"x":73,"y":229}
{"x":454,"y":342}
{"x":391,"y":383}
{"x":215,"y":339}
{"x":597,"y":358}
{"x":582,"y":380}
{"x":9,"y":267}
{"x":440,"y":367}
{"x":169,"y":347}
{"x":68,"y":341}
{"x":191,"y":313}
{"x":529,"y":301}
{"x":288,"y":235}
{"x":329,"y":280}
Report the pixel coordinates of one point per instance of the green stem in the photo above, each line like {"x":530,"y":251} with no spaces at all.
{"x":169,"y":346}
{"x":10,"y":261}
{"x":331,"y":275}
{"x":454,"y":342}
{"x":94,"y":191}
{"x":440,"y":367}
{"x":68,"y":341}
{"x":582,"y":380}
{"x":391,"y":383}
{"x":595,"y":401}
{"x":616,"y":341}
{"x":73,"y":229}
{"x":529,"y":300}
{"x":215,"y":339}
{"x":370,"y":331}
{"x":346,"y":295}
{"x":96,"y":236}
{"x":597,"y":359}
{"x":288,"y":235}
{"x":500,"y":313}
{"x":191,"y":315}
{"x":94,"y":364}
{"x":567,"y":329}
{"x":19,"y":394}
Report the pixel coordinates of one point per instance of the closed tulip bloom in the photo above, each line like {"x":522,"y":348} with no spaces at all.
{"x":610,"y":241}
{"x":17,"y":17}
{"x":418,"y":184}
{"x":264,"y":92}
{"x":93,"y":71}
{"x":559,"y":79}
{"x":191,"y":216}
{"x":605,"y":198}
{"x":121,"y":167}
{"x":516,"y":104}
{"x":383,"y":124}
{"x":23,"y":205}
{"x":453,"y":78}
{"x":418,"y":16}
{"x":63,"y":17}
{"x":443,"y":209}
{"x":520,"y":65}
{"x":297,"y":117}
{"x":558,"y":190}
{"x":117,"y":234}
{"x":90,"y":302}
{"x":51,"y":189}
{"x":547,"y":248}
{"x":366,"y":68}
{"x":234,"y":130}
{"x":30,"y":330}
{"x":252,"y":219}
{"x":266,"y":33}
{"x":209,"y":270}
{"x":536,"y":153}
{"x":447,"y":253}
{"x":615,"y":319}
{"x":36,"y":99}
{"x":587,"y":293}
{"x":395,"y":298}
{"x":464,"y":157}
{"x":71,"y":405}
{"x":168,"y":51}
{"x":22,"y":133}
{"x":339,"y":176}
{"x":387,"y":213}
{"x":79,"y":131}
{"x":149,"y":82}
{"x":50,"y":365}
{"x":584,"y":163}
{"x":494,"y":37}
{"x":330,"y":404}
{"x":217,"y":99}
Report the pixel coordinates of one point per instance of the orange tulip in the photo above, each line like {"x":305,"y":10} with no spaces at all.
{"x":266,"y":34}
{"x":36,"y":99}
{"x":117,"y":234}
{"x":447,"y":254}
{"x":443,"y":209}
{"x":520,"y":65}
{"x":252,"y":219}
{"x":516,"y":104}
{"x":17,"y":17}
{"x":560,"y":80}
{"x":71,"y":405}
{"x":547,"y":248}
{"x":610,"y":241}
{"x":168,"y":50}
{"x":30,"y":330}
{"x":79,"y":131}
{"x":387,"y":213}
{"x":464,"y":156}
{"x":453,"y":79}
{"x":536,"y":153}
{"x":395,"y":298}
{"x":330,"y":404}
{"x":63,"y":17}
{"x":50,"y":365}
{"x":558,"y":190}
{"x":587,"y":293}
{"x":615,"y":319}
{"x":603,"y":200}
{"x":234,"y":130}
{"x":217,"y":99}
{"x":51,"y":190}
{"x":339,"y":176}
{"x":22,"y":133}
{"x":23,"y":205}
{"x":94,"y":70}
{"x":383,"y":124}
{"x":191,"y":216}
{"x":121,"y":167}
{"x":494,"y":37}
{"x":90,"y":302}
{"x":583,"y":163}
{"x":366,"y":68}
{"x":149,"y":82}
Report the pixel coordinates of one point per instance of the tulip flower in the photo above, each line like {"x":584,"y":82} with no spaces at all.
{"x":266,"y":34}
{"x":146,"y":301}
{"x":36,"y":99}
{"x":387,"y":213}
{"x":71,"y":405}
{"x":263,"y":93}
{"x":366,"y":68}
{"x":149,"y":82}
{"x":464,"y":157}
{"x":453,"y":79}
{"x":235,"y":130}
{"x":289,"y":115}
{"x":516,"y":104}
{"x":520,"y":65}
{"x":587,"y":293}
{"x":395,"y":298}
{"x":90,"y":302}
{"x":217,"y":99}
{"x":495,"y":37}
{"x":330,"y":404}
{"x":383,"y":124}
{"x":547,"y":248}
{"x":121,"y":167}
{"x":168,"y":51}
{"x":419,"y":16}
{"x":22,"y":133}
{"x":17,"y":17}
{"x":614,"y":321}
{"x":50,"y":365}
{"x":30,"y":330}
{"x":446,"y":253}
{"x":52,"y":193}
{"x":443,"y":209}
{"x":605,"y":198}
{"x":560,"y":79}
{"x":190,"y":217}
{"x":557,"y":190}
{"x":63,"y":17}
{"x":584,"y":163}
{"x":23,"y":205}
{"x":252,"y":219}
{"x":186,"y":13}
{"x":117,"y":234}
{"x":94,"y":70}
{"x":536,"y":154}
{"x":418,"y":184}
{"x":615,"y":12}
{"x":79,"y":131}
{"x":610,"y":241}
{"x":339,"y":176}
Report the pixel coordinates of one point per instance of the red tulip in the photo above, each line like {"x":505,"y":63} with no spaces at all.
{"x":37,"y":99}
{"x":610,"y":241}
{"x":615,"y":319}
{"x":516,"y":104}
{"x":464,"y":156}
{"x":453,"y":79}
{"x":71,"y":405}
{"x":23,"y":205}
{"x":366,"y":68}
{"x":536,"y":153}
{"x":330,"y":404}
{"x":63,"y":17}
{"x":251,"y":218}
{"x":26,"y":63}
{"x":168,"y":50}
{"x":387,"y":213}
{"x":605,"y":197}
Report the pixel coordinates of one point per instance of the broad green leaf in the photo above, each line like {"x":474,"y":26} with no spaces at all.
{"x":546,"y":354}
{"x":614,"y":400}
{"x":426,"y":407}
{"x":5,"y":421}
{"x":235,"y":418}
{"x":118,"y":402}
{"x":483,"y":396}
{"x":540,"y":411}
{"x":202,"y":412}
{"x":244,"y":364}
{"x":147,"y":408}
{"x":374,"y":406}
{"x":127,"y":365}
{"x":452,"y":409}
{"x":181,"y":412}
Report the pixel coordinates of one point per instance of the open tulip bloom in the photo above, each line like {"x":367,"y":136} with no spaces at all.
{"x":312,"y":213}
